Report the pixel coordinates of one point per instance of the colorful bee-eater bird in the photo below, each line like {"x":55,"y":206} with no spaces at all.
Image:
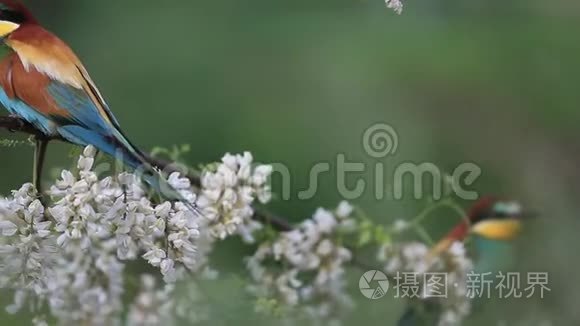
{"x":492,"y":224}
{"x":43,"y":82}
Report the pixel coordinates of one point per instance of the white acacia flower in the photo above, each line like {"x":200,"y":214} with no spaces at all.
{"x":325,"y":220}
{"x":155,"y":256}
{"x":228,"y":192}
{"x":401,"y":226}
{"x":344,"y":210}
{"x":7,"y":228}
{"x":261,"y":175}
{"x":395,"y":5}
{"x":310,"y":249}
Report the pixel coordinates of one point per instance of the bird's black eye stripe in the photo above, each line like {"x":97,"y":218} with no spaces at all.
{"x":12,"y":16}
{"x":491,"y":214}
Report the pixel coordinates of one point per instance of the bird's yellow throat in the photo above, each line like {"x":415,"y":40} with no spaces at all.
{"x":504,"y":229}
{"x":7,"y":27}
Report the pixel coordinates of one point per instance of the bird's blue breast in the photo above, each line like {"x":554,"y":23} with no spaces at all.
{"x":493,"y":255}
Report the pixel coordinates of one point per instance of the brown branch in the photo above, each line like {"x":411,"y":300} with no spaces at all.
{"x":15,"y":124}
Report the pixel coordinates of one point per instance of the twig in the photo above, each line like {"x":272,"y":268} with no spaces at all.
{"x":15,"y":124}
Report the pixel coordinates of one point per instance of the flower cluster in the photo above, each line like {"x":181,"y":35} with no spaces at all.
{"x":27,"y":247}
{"x":71,"y":254}
{"x":395,"y":5}
{"x":229,"y":190}
{"x":89,"y":213}
{"x":416,"y":259}
{"x":313,"y":264}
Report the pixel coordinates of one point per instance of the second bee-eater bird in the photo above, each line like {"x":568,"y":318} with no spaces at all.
{"x":492,"y":224}
{"x":43,"y":82}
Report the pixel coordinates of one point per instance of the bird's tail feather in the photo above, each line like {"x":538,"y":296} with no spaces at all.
{"x":154,"y":177}
{"x":156,"y":180}
{"x":117,"y":146}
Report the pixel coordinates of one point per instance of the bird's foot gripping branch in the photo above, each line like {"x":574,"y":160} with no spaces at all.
{"x":102,"y":250}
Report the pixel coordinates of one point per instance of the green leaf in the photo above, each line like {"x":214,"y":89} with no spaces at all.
{"x":365,"y":237}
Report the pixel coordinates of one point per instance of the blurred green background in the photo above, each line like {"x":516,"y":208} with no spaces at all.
{"x":297,"y":82}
